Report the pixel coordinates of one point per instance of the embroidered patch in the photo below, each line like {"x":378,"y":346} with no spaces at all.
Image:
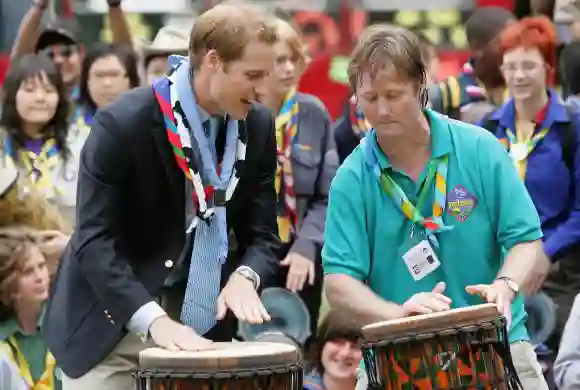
{"x":460,"y":203}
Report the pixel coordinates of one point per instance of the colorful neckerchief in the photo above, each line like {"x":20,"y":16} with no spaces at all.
{"x":360,"y":125}
{"x":520,"y":148}
{"x":431,"y":225}
{"x":286,"y":128}
{"x":84,"y":121}
{"x":38,"y":166}
{"x":46,"y":381}
{"x":180,"y":140}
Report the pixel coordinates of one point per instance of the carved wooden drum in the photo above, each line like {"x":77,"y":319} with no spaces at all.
{"x":465,"y":348}
{"x":257,"y":366}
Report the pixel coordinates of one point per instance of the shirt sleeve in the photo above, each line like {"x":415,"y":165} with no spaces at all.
{"x":346,"y":245}
{"x":141,"y":321}
{"x":512,"y":211}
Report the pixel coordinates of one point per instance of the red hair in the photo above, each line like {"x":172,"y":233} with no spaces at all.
{"x":536,"y":32}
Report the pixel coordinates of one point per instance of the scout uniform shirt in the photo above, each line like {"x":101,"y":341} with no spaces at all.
{"x":487,"y":208}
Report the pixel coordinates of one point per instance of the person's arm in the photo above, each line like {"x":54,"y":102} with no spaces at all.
{"x":567,"y":365}
{"x":257,"y":230}
{"x":104,"y":171}
{"x":513,"y":214}
{"x":311,"y":234}
{"x":346,"y":254}
{"x":29,"y":30}
{"x":567,"y":234}
{"x":120,"y":28}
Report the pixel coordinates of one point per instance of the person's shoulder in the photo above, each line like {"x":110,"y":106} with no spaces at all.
{"x":133,"y":112}
{"x":259,"y":116}
{"x":311,"y":103}
{"x":467,"y":133}
{"x":351,"y":172}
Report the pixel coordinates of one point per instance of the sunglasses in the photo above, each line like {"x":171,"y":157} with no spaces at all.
{"x":63,"y":51}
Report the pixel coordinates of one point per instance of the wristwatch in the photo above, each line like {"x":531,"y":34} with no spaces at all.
{"x":511,"y":284}
{"x":249,"y":274}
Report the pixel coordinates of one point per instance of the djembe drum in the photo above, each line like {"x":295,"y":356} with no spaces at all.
{"x":465,"y":348}
{"x":256,"y":366}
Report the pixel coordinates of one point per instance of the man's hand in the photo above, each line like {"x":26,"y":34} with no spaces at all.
{"x":537,"y":276}
{"x":174,"y":336}
{"x":241,"y":298}
{"x":428,"y":302}
{"x":499,"y":293}
{"x":300,"y":270}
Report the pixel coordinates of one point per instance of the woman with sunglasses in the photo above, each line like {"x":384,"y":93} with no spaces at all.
{"x":307,"y":162}
{"x":107,"y":71}
{"x":25,"y":362}
{"x":541,"y":135}
{"x":35,"y":131}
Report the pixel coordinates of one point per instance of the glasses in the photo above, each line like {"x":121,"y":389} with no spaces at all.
{"x":63,"y":51}
{"x":527,"y":67}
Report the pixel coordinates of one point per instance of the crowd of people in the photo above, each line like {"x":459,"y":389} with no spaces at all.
{"x":149,"y":193}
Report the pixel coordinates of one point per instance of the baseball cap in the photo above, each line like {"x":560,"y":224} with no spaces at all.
{"x":58,"y":31}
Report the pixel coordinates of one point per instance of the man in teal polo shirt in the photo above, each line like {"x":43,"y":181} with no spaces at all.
{"x":427,"y":214}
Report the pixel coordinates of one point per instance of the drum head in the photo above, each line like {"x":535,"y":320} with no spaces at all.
{"x":435,"y":322}
{"x":223,"y":356}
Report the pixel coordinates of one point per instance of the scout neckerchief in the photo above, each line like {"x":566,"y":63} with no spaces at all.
{"x":192,"y":153}
{"x":360,"y":125}
{"x":38,"y":166}
{"x":520,"y":147}
{"x":431,"y":225}
{"x":286,"y":128}
{"x":46,"y":381}
{"x":84,"y":120}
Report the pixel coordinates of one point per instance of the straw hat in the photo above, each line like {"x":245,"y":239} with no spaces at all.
{"x":8,"y":173}
{"x":169,"y":39}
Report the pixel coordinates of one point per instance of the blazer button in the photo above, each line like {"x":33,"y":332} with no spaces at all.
{"x":168,"y":263}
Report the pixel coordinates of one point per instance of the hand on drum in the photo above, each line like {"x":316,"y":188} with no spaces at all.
{"x":174,"y":336}
{"x":497,"y":293}
{"x":428,"y":302}
{"x":241,"y":298}
{"x":300,"y":270}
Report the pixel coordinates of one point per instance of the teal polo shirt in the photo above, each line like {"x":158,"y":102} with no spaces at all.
{"x":487,"y":205}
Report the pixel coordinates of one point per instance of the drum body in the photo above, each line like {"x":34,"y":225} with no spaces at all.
{"x":259,"y":366}
{"x":459,"y":349}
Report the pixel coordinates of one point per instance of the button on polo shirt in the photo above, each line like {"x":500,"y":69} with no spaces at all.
{"x":487,"y":206}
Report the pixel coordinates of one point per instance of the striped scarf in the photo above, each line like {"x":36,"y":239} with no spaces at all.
{"x":46,"y":381}
{"x":286,"y":128}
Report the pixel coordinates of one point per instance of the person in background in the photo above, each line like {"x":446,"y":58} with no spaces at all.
{"x":567,"y":365}
{"x":35,"y":131}
{"x":335,"y":355}
{"x":24,"y":287}
{"x":421,"y":194}
{"x":169,"y":40}
{"x":570,"y":70}
{"x":108,"y":70}
{"x":307,"y":162}
{"x":480,"y":87}
{"x":542,"y":137}
{"x":352,"y":126}
{"x":60,"y":41}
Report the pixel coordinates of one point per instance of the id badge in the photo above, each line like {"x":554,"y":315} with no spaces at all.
{"x":421,"y":260}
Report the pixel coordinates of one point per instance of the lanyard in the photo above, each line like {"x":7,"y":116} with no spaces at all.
{"x":520,"y":149}
{"x":433,"y":224}
{"x":46,"y":381}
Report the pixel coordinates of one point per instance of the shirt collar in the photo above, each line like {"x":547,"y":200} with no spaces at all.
{"x":553,"y":111}
{"x":440,"y":138}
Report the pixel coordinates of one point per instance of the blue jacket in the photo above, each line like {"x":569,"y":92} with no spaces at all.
{"x":550,"y":184}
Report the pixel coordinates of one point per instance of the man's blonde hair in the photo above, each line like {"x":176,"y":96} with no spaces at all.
{"x":227,"y":29}
{"x":289,"y":34}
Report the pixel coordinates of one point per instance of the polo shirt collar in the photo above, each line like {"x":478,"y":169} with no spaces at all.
{"x":554,"y":111}
{"x":440,"y":138}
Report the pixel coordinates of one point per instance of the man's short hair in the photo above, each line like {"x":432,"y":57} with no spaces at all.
{"x":227,"y":29}
{"x":486,"y":23}
{"x":382,"y":46}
